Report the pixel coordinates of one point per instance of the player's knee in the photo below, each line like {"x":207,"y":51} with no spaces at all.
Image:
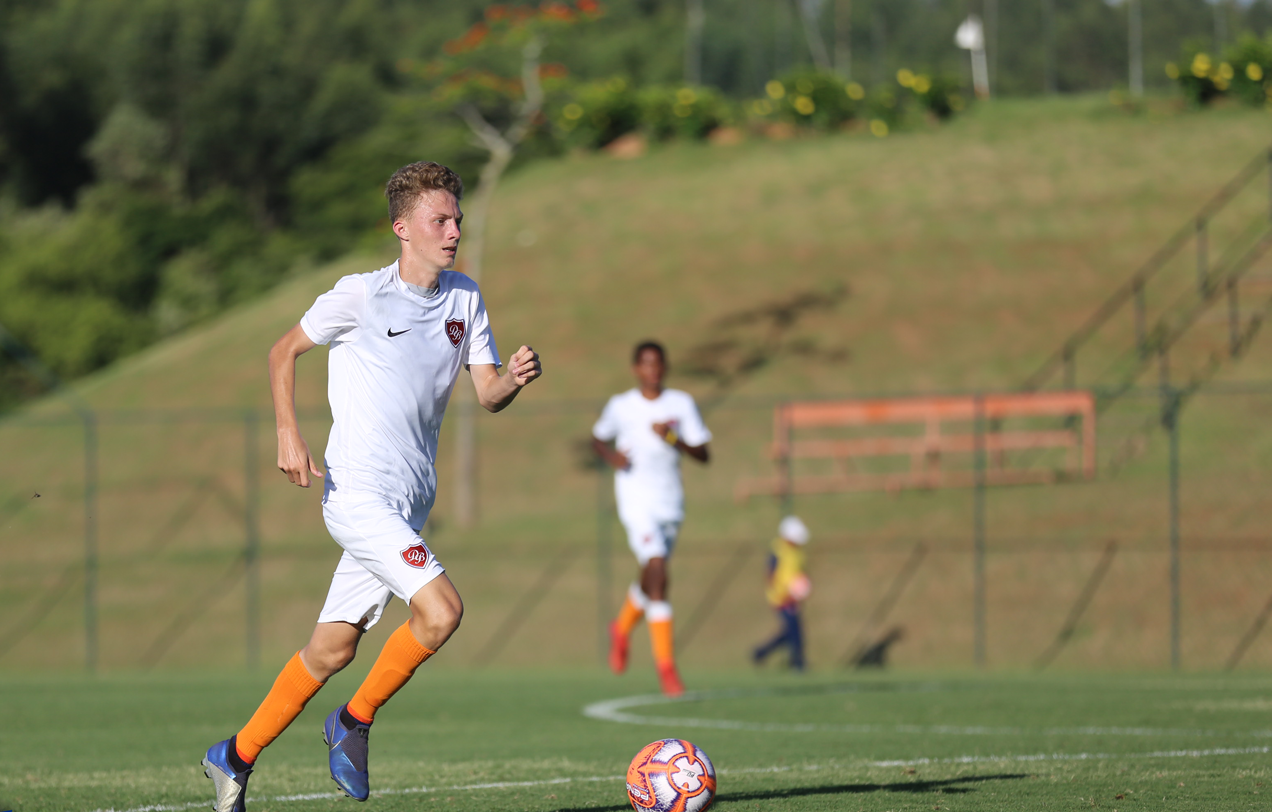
{"x":447,"y":617}
{"x":438,"y":622}
{"x":328,"y":659}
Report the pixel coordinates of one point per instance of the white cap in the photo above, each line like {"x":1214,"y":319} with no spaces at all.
{"x":792,"y":529}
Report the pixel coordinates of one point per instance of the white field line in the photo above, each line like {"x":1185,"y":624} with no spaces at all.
{"x":915,"y":762}
{"x":322,"y":796}
{"x":1219,"y":751}
{"x":615,"y":710}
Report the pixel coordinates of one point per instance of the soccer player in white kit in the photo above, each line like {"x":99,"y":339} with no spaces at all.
{"x":399,"y":337}
{"x":650,"y":427}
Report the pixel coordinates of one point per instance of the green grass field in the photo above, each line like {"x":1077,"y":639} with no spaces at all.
{"x":521,"y":741}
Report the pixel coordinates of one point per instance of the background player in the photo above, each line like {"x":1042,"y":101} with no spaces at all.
{"x":399,"y":337}
{"x":650,"y":427}
{"x":788,"y":587}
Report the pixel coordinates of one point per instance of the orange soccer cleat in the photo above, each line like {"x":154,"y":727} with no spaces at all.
{"x":618,"y":649}
{"x":670,"y":680}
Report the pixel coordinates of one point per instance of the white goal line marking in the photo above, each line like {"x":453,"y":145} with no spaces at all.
{"x":914,"y":762}
{"x":615,"y":710}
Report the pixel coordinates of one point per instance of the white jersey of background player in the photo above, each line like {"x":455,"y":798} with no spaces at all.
{"x":650,"y":427}
{"x":399,"y":337}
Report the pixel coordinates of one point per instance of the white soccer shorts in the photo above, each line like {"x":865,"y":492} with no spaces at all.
{"x":383,"y":556}
{"x":651,"y":539}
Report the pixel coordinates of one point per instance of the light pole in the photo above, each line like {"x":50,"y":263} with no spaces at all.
{"x":1135,"y":12}
{"x":1134,"y":44}
{"x":970,"y":36}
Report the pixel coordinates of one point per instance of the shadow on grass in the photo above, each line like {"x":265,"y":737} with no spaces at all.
{"x":950,"y":786}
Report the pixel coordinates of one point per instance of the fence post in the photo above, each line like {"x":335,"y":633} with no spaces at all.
{"x":784,"y":462}
{"x":978,"y":531}
{"x":603,"y":563}
{"x":1141,"y":317}
{"x":1203,"y":261}
{"x":1234,"y":319}
{"x":1170,"y":416}
{"x":252,"y":539}
{"x":1270,"y":184}
{"x":90,"y":542}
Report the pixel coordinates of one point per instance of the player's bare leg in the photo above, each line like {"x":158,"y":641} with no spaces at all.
{"x":436,"y":610}
{"x":653,"y":579}
{"x":635,"y":604}
{"x":654,"y":582}
{"x":331,"y":647}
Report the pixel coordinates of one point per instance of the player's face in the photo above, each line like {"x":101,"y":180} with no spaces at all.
{"x":431,"y":231}
{"x":650,"y":369}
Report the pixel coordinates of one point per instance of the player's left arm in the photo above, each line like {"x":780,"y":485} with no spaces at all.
{"x":495,"y":391}
{"x":701,"y":453}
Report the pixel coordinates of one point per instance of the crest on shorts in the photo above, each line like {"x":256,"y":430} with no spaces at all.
{"x":455,"y":331}
{"x":416,"y":555}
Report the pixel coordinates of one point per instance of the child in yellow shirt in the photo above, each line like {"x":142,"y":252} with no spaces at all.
{"x":788,"y":587}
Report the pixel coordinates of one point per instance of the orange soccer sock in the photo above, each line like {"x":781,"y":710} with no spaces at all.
{"x":661,"y":638}
{"x":284,"y":702}
{"x":629,"y":616}
{"x":399,"y":658}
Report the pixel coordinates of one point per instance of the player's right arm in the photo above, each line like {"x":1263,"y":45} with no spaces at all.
{"x":611,"y":455}
{"x":293,"y":452}
{"x":605,"y":432}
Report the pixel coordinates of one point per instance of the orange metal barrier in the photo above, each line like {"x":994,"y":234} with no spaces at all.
{"x":927,"y":450}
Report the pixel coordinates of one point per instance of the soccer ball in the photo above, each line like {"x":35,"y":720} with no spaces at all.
{"x":671,"y":775}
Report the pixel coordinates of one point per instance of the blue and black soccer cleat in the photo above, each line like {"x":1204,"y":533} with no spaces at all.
{"x":231,"y":784}
{"x":347,"y":754}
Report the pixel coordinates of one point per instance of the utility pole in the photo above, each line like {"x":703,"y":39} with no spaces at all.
{"x":843,"y":39}
{"x":695,"y":17}
{"x":1049,"y":46}
{"x":879,"y":44}
{"x":991,"y":38}
{"x":1135,"y":12}
{"x":1221,"y":26}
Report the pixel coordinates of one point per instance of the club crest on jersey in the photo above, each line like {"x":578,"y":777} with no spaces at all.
{"x":416,"y":556}
{"x":455,"y":331}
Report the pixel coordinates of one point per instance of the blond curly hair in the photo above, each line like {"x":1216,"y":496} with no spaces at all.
{"x":407,"y":184}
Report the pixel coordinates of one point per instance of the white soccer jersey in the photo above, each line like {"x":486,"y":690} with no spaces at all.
{"x":650,"y":489}
{"x":394,"y":360}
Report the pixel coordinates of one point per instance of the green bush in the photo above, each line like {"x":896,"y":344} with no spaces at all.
{"x":813,"y":99}
{"x":939,"y":95}
{"x":817,"y":100}
{"x":1244,"y":73}
{"x":681,"y":112}
{"x":1200,"y":77}
{"x":1251,"y":60}
{"x":61,"y":277}
{"x":592,"y":115}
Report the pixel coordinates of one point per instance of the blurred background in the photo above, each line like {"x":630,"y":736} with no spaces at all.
{"x":805,"y":200}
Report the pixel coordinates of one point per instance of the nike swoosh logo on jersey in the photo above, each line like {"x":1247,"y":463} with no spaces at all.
{"x":398,"y":333}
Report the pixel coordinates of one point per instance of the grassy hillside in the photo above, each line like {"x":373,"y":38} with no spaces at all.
{"x":950,"y":259}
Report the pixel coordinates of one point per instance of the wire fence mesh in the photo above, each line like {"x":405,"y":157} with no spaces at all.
{"x":137,"y":540}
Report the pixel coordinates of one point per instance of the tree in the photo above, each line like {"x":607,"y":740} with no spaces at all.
{"x":809,"y":12}
{"x":492,"y":77}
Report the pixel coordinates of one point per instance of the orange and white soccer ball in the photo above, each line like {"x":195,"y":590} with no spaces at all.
{"x":671,"y":775}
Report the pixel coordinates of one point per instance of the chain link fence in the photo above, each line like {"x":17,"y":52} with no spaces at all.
{"x":138,"y":540}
